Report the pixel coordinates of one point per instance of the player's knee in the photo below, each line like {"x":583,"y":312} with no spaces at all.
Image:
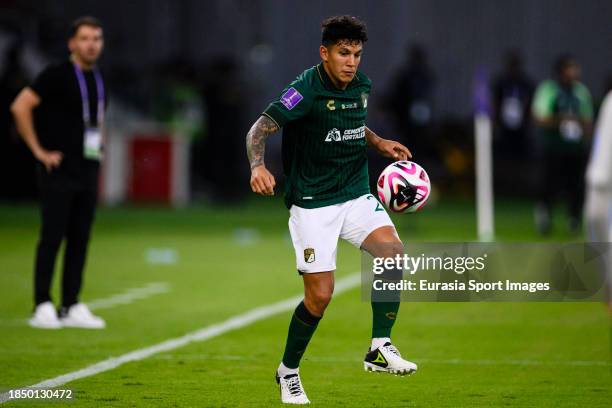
{"x":390,"y":250}
{"x":317,"y":300}
{"x":384,"y":243}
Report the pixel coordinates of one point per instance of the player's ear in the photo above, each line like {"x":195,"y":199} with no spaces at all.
{"x":324,"y":53}
{"x":71,"y":44}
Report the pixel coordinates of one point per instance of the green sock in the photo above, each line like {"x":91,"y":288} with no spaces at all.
{"x":385,"y":305}
{"x":302,"y":327}
{"x":383,"y":318}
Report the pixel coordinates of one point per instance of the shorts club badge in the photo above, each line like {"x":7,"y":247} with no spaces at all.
{"x":309,"y":255}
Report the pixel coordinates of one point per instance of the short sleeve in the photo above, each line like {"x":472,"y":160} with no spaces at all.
{"x":294,"y":103}
{"x":45,"y":82}
{"x":586,"y":102}
{"x":543,"y":101}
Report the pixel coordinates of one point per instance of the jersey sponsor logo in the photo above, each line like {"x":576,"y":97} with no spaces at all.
{"x":353,"y":105}
{"x":291,"y":98}
{"x":309,"y":255}
{"x":331,"y":105}
{"x":334,"y":135}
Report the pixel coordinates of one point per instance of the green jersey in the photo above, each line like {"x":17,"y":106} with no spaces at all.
{"x":324,"y":144}
{"x":574,"y":102}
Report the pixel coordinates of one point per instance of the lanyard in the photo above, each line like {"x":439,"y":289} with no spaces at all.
{"x":85,"y":95}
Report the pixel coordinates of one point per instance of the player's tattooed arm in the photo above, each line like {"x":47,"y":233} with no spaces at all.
{"x":387,"y":148}
{"x":262,"y":181}
{"x":256,"y":139}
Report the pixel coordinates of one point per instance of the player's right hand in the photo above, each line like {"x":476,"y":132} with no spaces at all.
{"x":262,"y":181}
{"x":50,"y":159}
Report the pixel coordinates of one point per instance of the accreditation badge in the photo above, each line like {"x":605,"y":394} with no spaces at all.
{"x":92,"y":143}
{"x":512,"y":112}
{"x":570,"y":130}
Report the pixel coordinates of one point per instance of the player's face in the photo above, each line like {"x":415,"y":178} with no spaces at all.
{"x":341,"y":61}
{"x":87,"y":44}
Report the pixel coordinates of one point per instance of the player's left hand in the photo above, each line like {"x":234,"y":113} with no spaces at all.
{"x":393,"y":150}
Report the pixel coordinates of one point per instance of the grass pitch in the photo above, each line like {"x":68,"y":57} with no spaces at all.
{"x":220,"y":262}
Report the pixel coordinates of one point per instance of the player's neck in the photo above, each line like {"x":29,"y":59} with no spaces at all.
{"x":340,"y":85}
{"x":81,"y":64}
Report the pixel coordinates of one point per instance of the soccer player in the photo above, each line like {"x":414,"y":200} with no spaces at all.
{"x":60,"y":117}
{"x":598,"y":208}
{"x":323,"y":113}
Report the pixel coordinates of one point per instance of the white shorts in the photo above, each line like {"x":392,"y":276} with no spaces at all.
{"x":315,"y":231}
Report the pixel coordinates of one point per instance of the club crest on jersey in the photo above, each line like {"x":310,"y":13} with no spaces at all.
{"x":333,"y":136}
{"x":291,"y":98}
{"x":364,"y":100}
{"x":309,"y":255}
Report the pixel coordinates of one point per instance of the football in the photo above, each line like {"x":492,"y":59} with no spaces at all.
{"x":403,"y":187}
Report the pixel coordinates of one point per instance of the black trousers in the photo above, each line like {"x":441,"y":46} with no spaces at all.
{"x":563,"y":174}
{"x":67,"y":214}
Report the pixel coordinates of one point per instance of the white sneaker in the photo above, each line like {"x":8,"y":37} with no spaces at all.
{"x":291,"y":389}
{"x":79,"y":315}
{"x":45,"y":317}
{"x":388,"y":359}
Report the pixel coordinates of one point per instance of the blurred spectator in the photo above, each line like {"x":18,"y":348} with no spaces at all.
{"x":16,"y":159}
{"x":178,"y":104}
{"x":410,"y":101}
{"x":512,"y":93}
{"x":226,"y":101}
{"x":563,"y":112}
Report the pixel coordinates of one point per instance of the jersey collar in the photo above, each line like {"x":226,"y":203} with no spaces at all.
{"x":327,"y":82}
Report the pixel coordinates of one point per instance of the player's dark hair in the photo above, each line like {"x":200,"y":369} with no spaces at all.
{"x":562,"y":62}
{"x":83,"y":21}
{"x":339,"y":28}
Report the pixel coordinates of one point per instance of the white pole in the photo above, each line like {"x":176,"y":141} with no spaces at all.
{"x":484,"y":177}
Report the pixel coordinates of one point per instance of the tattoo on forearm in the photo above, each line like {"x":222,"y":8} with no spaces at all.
{"x":256,"y":139}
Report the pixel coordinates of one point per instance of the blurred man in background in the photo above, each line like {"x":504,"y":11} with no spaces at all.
{"x":60,"y":117}
{"x":512,"y":93}
{"x":599,"y":185}
{"x":563,"y":111}
{"x":16,"y":158}
{"x":410,"y":100}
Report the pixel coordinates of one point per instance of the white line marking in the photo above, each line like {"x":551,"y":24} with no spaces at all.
{"x":454,"y":361}
{"x":574,"y":363}
{"x":457,"y":361}
{"x":127,"y":297}
{"x":130,"y":295}
{"x":208,"y":332}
